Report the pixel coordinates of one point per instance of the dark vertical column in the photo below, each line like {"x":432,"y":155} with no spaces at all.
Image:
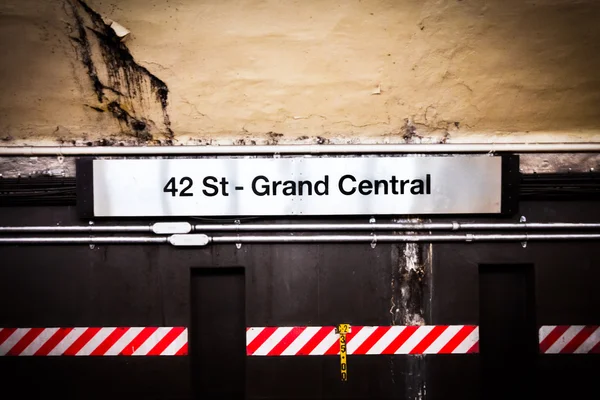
{"x":508,"y":341}
{"x":218,"y":333}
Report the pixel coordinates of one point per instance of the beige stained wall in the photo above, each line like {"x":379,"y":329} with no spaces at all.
{"x":312,"y":71}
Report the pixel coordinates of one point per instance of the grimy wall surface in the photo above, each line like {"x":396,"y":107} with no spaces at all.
{"x":286,"y":285}
{"x":266,"y":71}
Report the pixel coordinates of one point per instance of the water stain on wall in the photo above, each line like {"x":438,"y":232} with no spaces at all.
{"x":124,"y":89}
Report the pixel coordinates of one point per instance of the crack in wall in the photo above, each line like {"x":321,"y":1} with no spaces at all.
{"x":136,"y":98}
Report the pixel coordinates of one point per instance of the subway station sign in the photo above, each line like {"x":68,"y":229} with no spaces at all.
{"x":316,"y":186}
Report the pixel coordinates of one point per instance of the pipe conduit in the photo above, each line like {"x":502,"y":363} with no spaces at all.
{"x":199,"y":240}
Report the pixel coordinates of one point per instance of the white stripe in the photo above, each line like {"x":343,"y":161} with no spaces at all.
{"x":123,"y":341}
{"x":414,"y":339}
{"x":12,"y":340}
{"x":39,"y":341}
{"x":443,"y":339}
{"x":272,"y":341}
{"x":545,"y":331}
{"x":386,"y":339}
{"x":252,"y":333}
{"x":176,"y":344}
{"x":94,"y":341}
{"x":151,"y":341}
{"x":301,"y":341}
{"x":326,"y":343}
{"x":589,"y":343}
{"x":564,"y":339}
{"x":469,"y":342}
{"x":67,"y":341}
{"x":359,"y":338}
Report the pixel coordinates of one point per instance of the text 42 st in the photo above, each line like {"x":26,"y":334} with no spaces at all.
{"x":183,"y":187}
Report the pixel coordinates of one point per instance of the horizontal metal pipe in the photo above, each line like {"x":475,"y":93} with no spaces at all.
{"x":299,"y":149}
{"x":181,"y":239}
{"x":303,"y":227}
{"x":316,"y":227}
{"x":85,"y":240}
{"x":402,"y":238}
{"x":455,"y":226}
{"x":527,"y":225}
{"x":76,"y":229}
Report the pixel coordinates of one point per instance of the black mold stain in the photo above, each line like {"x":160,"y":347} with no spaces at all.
{"x":410,"y":132}
{"x":130,"y":89}
{"x":445,"y":138}
{"x":273,"y":137}
{"x":96,"y":108}
{"x":138,"y":126}
{"x":244,"y":142}
{"x":322,"y":140}
{"x":85,"y":53}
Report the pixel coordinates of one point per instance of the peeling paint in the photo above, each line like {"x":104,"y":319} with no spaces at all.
{"x":136,"y":98}
{"x":408,"y":303}
{"x":407,"y":285}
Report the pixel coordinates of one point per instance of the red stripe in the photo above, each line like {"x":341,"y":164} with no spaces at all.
{"x":428,"y":339}
{"x":53,"y":341}
{"x":5,"y":334}
{"x":81,"y":341}
{"x":166,"y":341}
{"x":372,"y":339}
{"x":400,"y":339}
{"x":108,"y":342}
{"x":335,"y":348}
{"x":552,"y":337}
{"x":286,"y":341}
{"x":595,"y":349}
{"x":259,"y":340}
{"x":182,"y":351}
{"x":138,"y":341}
{"x":474,"y":348}
{"x":457,"y":339}
{"x":578,"y":339}
{"x":25,"y":341}
{"x":315,"y":340}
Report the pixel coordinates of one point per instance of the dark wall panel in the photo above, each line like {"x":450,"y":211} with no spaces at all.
{"x":153,"y":378}
{"x":285,"y":285}
{"x":217,"y":334}
{"x":566,"y":293}
{"x":126,"y":285}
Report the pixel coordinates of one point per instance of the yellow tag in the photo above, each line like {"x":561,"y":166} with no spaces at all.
{"x":342,"y":330}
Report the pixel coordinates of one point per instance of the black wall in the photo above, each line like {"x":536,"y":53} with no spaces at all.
{"x":285,"y":285}
{"x":566,"y":292}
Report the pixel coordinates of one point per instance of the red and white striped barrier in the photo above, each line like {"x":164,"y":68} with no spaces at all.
{"x":319,"y":341}
{"x":149,"y":341}
{"x":570,"y":339}
{"x":283,"y":341}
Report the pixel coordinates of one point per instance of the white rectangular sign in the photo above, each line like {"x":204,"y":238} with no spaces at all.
{"x":297,"y":186}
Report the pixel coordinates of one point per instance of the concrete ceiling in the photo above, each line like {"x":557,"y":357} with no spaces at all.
{"x":250,"y":71}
